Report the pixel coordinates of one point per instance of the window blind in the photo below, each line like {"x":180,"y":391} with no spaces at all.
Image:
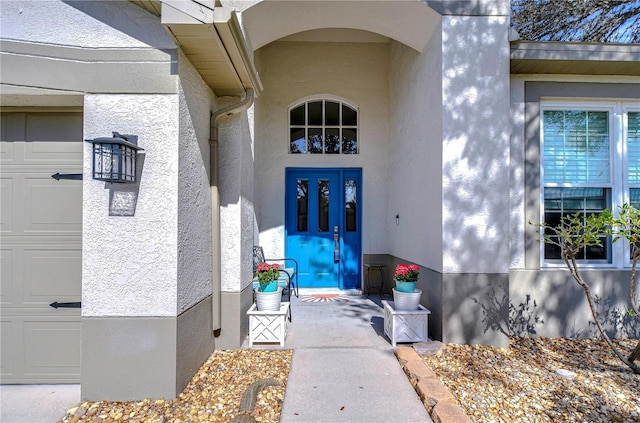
{"x":576,"y":146}
{"x":633,"y":147}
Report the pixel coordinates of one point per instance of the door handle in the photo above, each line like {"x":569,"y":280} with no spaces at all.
{"x":336,"y":248}
{"x":57,"y":305}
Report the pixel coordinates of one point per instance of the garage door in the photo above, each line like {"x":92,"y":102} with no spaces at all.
{"x":41,"y":248}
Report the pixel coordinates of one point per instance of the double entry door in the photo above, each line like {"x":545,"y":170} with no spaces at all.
{"x":323,"y":226}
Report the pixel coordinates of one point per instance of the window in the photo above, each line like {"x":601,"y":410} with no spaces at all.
{"x":323,"y":127}
{"x":590,"y":161}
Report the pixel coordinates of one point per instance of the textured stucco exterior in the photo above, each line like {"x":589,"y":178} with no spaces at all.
{"x":83,"y":24}
{"x":236,"y":202}
{"x":194,"y":192}
{"x":475,"y":168}
{"x":415,"y":155}
{"x":141,"y":279}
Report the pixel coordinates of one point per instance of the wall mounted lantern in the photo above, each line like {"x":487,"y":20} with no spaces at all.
{"x":114,"y":159}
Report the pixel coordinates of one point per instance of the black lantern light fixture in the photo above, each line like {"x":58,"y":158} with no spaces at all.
{"x":114,"y":159}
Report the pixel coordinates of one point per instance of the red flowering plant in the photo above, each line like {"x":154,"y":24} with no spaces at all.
{"x":406,"y":272}
{"x":267,"y":272}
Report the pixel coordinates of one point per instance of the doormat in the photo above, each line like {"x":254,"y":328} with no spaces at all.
{"x":324,"y":298}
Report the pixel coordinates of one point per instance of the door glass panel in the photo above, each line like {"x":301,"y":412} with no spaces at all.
{"x":350,"y":195}
{"x":297,"y":116}
{"x":323,"y":205}
{"x":315,"y":113}
{"x":303,"y":205}
{"x":297,"y":143}
{"x":332,"y":143}
{"x":332,"y":113}
{"x":349,"y":141}
{"x":315,"y":140}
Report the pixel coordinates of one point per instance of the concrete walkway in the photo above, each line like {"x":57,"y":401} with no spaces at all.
{"x":36,"y":403}
{"x":343,"y":367}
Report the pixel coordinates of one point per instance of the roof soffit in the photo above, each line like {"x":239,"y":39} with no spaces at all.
{"x":409,"y":22}
{"x":544,"y":57}
{"x":212,"y":40}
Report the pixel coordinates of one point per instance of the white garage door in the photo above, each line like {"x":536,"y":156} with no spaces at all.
{"x":41,"y":239}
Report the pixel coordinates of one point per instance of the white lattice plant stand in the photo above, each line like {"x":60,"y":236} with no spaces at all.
{"x":405,"y":325}
{"x":268,"y":326}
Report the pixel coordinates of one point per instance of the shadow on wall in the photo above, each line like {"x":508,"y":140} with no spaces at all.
{"x":129,"y":19}
{"x":470,"y":308}
{"x":476,"y":144}
{"x":123,"y":198}
{"x":498,"y":314}
{"x":551,"y":304}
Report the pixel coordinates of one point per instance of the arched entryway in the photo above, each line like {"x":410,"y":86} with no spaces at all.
{"x":346,"y":52}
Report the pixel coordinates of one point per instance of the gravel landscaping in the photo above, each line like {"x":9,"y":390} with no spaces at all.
{"x":213,"y":395}
{"x":541,"y":380}
{"x":535,"y":380}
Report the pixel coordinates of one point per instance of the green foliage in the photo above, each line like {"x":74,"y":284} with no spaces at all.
{"x":267,"y":272}
{"x":575,"y":232}
{"x":627,"y":225}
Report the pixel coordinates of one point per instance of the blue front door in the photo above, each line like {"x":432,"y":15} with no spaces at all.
{"x":323,"y":234}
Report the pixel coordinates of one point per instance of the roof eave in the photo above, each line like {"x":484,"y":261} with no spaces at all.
{"x":212,"y":40}
{"x":552,"y":57}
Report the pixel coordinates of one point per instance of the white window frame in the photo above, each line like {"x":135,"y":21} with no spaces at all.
{"x":618,"y":170}
{"x":306,"y":126}
{"x":633,"y":107}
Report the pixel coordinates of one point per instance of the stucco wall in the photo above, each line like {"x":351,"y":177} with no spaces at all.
{"x":475,"y":168}
{"x":194,"y":192}
{"x":517,"y":175}
{"x":84,"y":46}
{"x":291,"y":71}
{"x":236,"y":200}
{"x":130,"y":260}
{"x":87,"y":24}
{"x":415,"y":148}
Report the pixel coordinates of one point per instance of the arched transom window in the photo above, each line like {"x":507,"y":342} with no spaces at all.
{"x":323,"y":126}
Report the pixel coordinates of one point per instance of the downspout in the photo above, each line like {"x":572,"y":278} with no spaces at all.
{"x":216,"y":256}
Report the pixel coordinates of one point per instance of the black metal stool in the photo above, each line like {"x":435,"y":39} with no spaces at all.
{"x":379,"y":267}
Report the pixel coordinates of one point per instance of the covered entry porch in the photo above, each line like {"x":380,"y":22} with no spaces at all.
{"x":434,"y":169}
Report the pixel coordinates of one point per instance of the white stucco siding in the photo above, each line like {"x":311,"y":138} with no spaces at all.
{"x":236,"y":201}
{"x":517,"y":175}
{"x":476,"y":128}
{"x":292,"y":71}
{"x":415,"y":179}
{"x":84,"y":46}
{"x":194,"y":190}
{"x":86,"y":24}
{"x":130,"y":259}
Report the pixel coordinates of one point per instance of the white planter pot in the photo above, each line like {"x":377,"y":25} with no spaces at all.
{"x":406,"y":300}
{"x":268,"y":301}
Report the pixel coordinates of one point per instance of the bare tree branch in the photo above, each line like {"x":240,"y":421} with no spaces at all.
{"x":616,"y":21}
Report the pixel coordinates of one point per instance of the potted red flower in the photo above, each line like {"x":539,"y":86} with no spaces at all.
{"x":406,"y":276}
{"x":268,"y":275}
{"x":405,"y":294}
{"x":268,"y":295}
